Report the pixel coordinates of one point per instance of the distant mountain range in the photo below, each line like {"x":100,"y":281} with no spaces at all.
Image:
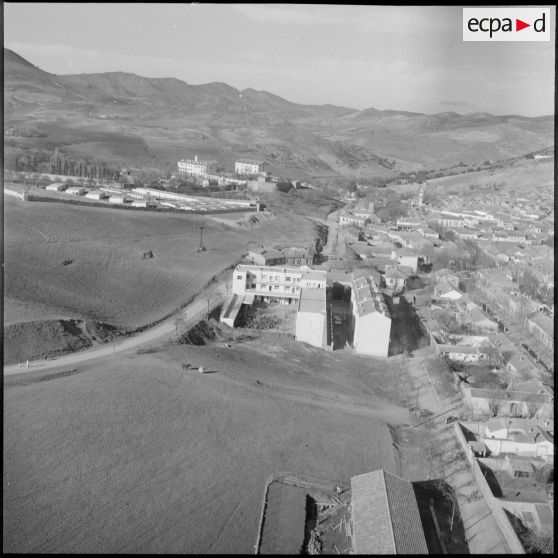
{"x":131,"y":119}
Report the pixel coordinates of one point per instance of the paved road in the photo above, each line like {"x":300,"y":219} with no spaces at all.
{"x":132,"y":343}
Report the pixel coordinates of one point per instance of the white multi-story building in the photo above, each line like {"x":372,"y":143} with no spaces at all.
{"x":248,"y":166}
{"x":311,"y":318}
{"x":351,"y":219}
{"x":286,"y":285}
{"x":449,"y":220}
{"x":196,"y":167}
{"x":276,"y":283}
{"x":372,"y":320}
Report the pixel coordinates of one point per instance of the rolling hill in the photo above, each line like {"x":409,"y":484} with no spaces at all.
{"x":162,"y":119}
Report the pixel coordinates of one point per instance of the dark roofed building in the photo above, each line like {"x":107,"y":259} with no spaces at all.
{"x":265,"y":257}
{"x":385,"y":515}
{"x":299,"y":256}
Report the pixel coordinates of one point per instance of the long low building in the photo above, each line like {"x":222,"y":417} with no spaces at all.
{"x":372,"y":319}
{"x":191,"y":200}
{"x":311,"y":318}
{"x":96,"y":195}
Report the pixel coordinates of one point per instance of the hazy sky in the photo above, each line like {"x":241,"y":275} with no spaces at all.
{"x":405,"y":58}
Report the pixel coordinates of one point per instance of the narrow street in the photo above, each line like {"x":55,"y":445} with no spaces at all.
{"x":481,"y":529}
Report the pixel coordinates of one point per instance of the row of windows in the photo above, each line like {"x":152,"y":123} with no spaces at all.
{"x":280,"y":278}
{"x":264,"y":287}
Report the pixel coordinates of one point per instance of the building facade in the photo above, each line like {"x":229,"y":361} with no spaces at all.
{"x":248,"y":166}
{"x":282,"y":284}
{"x":196,"y":167}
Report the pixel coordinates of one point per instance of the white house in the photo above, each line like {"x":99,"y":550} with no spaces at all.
{"x":350,"y":219}
{"x":249,"y":166}
{"x":118,"y":200}
{"x":519,"y":436}
{"x":56,"y":187}
{"x":96,"y":195}
{"x":443,"y":289}
{"x":75,"y":190}
{"x":372,"y":321}
{"x":407,"y":257}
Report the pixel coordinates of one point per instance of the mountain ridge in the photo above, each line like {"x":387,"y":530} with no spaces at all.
{"x":173,"y":118}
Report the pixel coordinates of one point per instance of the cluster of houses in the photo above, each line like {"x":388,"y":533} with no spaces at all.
{"x":249,"y":174}
{"x":309,"y":290}
{"x":512,"y":460}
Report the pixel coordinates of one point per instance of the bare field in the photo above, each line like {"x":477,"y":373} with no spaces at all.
{"x":135,"y":454}
{"x":87,"y":262}
{"x":16,"y":311}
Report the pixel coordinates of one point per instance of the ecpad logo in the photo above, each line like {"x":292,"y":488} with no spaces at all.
{"x":506,"y":24}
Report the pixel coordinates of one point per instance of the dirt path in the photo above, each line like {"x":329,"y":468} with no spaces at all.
{"x":168,"y":327}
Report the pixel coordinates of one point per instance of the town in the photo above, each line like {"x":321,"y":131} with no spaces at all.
{"x":476,"y":282}
{"x":293,"y":294}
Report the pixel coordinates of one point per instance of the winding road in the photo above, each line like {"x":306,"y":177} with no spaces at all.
{"x":190,"y":312}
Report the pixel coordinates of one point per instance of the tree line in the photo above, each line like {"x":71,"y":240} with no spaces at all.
{"x":64,"y":164}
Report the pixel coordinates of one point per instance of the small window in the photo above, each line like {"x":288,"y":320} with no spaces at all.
{"x":239,"y":276}
{"x":276,"y":287}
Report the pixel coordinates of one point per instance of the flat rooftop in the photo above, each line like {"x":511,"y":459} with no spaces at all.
{"x":312,"y":300}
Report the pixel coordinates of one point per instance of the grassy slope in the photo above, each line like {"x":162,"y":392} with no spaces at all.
{"x":107,"y":279}
{"x":137,"y":121}
{"x":522,"y":175}
{"x":32,"y":340}
{"x":136,"y":455}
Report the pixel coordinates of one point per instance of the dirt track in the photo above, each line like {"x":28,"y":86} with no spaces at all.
{"x":153,"y":334}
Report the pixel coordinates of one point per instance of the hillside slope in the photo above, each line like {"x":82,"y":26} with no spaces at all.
{"x":168,"y":118}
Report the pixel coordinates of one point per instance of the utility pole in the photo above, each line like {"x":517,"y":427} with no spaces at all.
{"x":201,"y":246}
{"x":452,"y":514}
